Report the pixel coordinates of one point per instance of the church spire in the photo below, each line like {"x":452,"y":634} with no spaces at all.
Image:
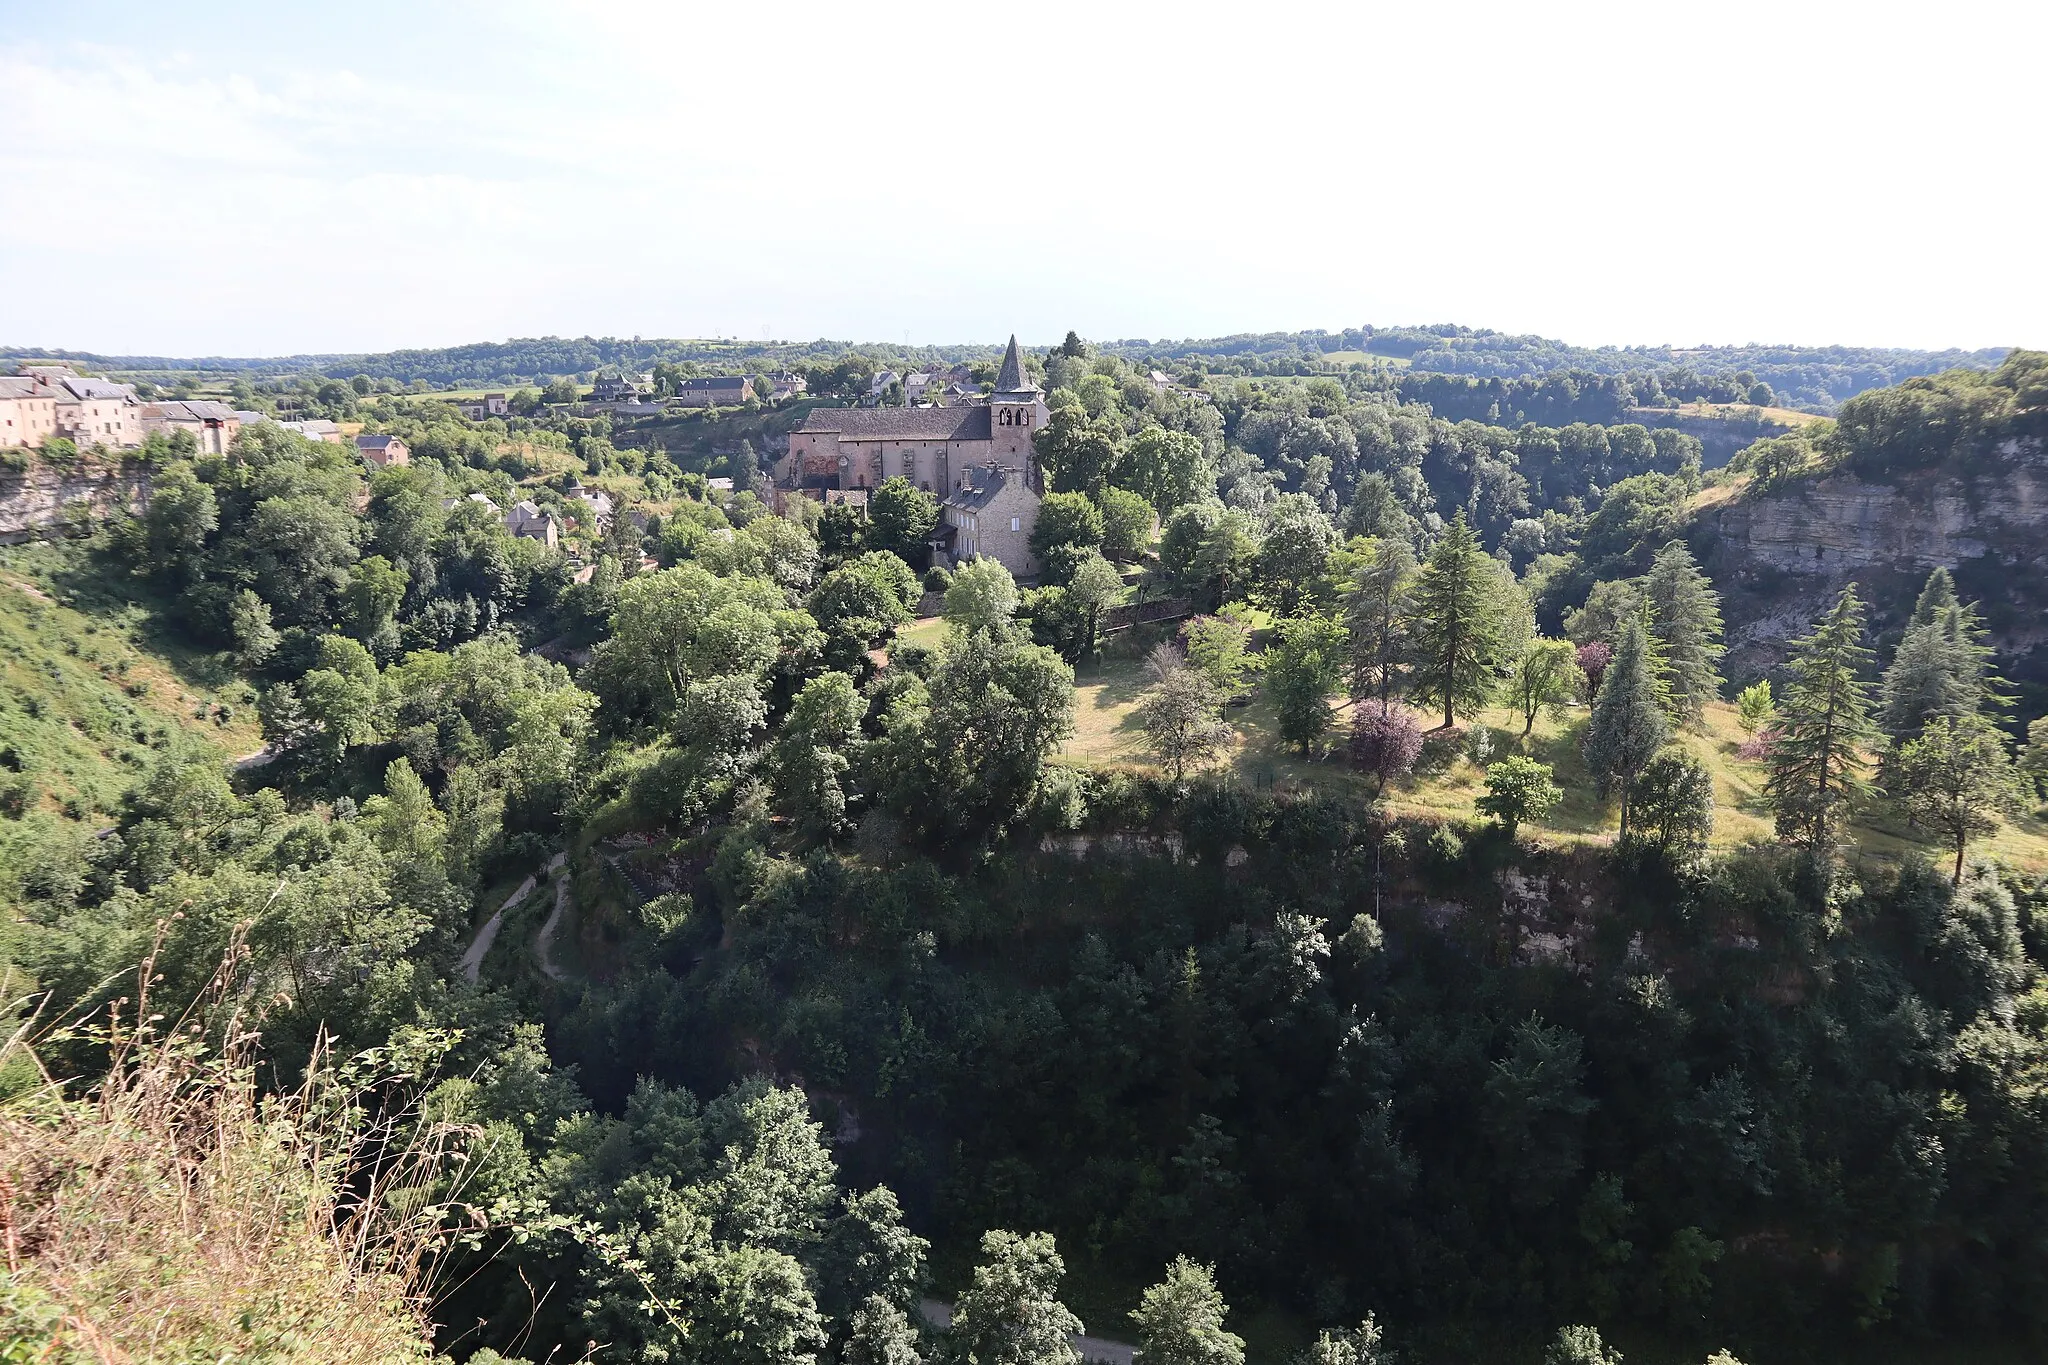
{"x":1011,"y":378}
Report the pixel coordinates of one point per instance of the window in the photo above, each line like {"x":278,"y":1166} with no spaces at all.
{"x":1016,"y":523}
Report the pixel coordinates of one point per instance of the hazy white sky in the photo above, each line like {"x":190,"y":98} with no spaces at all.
{"x":261,"y":179}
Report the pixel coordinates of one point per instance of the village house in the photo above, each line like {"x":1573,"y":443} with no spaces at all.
{"x":990,"y":516}
{"x":213,"y":425}
{"x":534,"y":522}
{"x":316,"y":429}
{"x":490,"y":405}
{"x":45,"y":401}
{"x":715,"y":391}
{"x":787,"y":384}
{"x":383,"y":451}
{"x":616,"y":388}
{"x":28,"y":412}
{"x":935,"y":448}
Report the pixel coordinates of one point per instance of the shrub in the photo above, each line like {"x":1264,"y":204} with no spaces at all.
{"x":1518,"y":789}
{"x":1385,"y":741}
{"x":1594,"y":656}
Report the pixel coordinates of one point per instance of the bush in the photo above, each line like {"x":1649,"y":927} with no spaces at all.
{"x":1385,"y":741}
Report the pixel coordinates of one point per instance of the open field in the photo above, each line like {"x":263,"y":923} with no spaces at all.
{"x":1106,"y":733}
{"x":1392,"y":362}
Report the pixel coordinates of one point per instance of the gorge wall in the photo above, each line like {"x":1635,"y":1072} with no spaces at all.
{"x":1780,"y":557}
{"x":43,"y":496}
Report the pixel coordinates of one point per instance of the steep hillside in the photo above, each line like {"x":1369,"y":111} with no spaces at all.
{"x":89,"y":697}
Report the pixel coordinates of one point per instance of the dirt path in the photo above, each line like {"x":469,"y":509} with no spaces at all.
{"x":473,"y":957}
{"x":1093,"y":1350}
{"x":547,"y":934}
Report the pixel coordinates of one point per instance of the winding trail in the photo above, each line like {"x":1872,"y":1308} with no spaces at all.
{"x":547,"y":934}
{"x":473,"y":957}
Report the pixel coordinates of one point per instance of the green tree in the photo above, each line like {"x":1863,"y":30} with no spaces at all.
{"x":1685,"y":616}
{"x":375,"y":589}
{"x":1126,"y":524}
{"x":342,"y":698}
{"x":880,"y":1334}
{"x":859,"y":603}
{"x":1360,"y":1345}
{"x":981,"y":597}
{"x":1518,"y":789}
{"x":1629,"y":724}
{"x":1457,"y":625}
{"x":181,"y":514}
{"x":1068,"y":524}
{"x":1180,"y":1319}
{"x":1182,"y":719}
{"x":1941,"y":668}
{"x":1218,"y":649}
{"x":1754,"y":707}
{"x":1093,"y":587}
{"x":1301,"y":671}
{"x":249,"y":626}
{"x":1674,"y":805}
{"x":1577,"y":1345}
{"x":1546,"y":674}
{"x":1817,"y":762}
{"x":1955,"y":779}
{"x":1295,"y":553}
{"x":1170,"y":468}
{"x":1206,"y":551}
{"x":813,"y":753}
{"x":1079,"y":453}
{"x":1376,"y":611}
{"x":1011,"y":1314}
{"x":901,"y":518}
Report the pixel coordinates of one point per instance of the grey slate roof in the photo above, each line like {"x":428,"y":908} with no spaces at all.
{"x":1011,"y":378}
{"x":12,"y":386}
{"x":195,"y":410}
{"x":713,"y":383}
{"x":374,"y":442}
{"x":983,"y":483}
{"x":98,"y":388}
{"x":901,"y":424}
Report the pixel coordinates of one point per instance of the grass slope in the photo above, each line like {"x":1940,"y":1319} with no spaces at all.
{"x":90,"y":693}
{"x":1106,"y":734}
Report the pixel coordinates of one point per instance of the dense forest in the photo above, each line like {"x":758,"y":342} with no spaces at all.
{"x":765,"y":965}
{"x":1816,"y":378}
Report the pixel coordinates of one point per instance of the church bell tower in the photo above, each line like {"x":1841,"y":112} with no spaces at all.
{"x":1016,"y":412}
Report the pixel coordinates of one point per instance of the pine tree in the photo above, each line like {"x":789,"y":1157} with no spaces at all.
{"x":1936,"y":597}
{"x":1629,"y":723}
{"x":1456,"y":624}
{"x":1943,"y":666}
{"x":1816,"y":760}
{"x":1374,"y":611}
{"x":1685,"y":616}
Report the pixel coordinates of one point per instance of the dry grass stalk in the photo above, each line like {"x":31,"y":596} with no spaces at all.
{"x":176,"y":1213}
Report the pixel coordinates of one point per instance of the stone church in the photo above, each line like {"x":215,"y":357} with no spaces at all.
{"x":968,"y":457}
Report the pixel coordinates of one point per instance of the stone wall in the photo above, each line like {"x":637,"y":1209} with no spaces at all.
{"x":43,"y":497}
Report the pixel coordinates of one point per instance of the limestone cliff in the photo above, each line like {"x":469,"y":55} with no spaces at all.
{"x":44,"y":496}
{"x":1781,"y":556}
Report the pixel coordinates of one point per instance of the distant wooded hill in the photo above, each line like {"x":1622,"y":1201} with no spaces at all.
{"x":1817,"y":378}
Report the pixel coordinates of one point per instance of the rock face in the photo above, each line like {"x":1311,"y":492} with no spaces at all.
{"x":1781,"y":557}
{"x":44,"y":496}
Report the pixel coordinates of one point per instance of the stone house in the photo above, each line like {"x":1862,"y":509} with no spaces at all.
{"x":490,"y":405}
{"x":990,"y":516}
{"x":383,"y":451}
{"x":213,"y":425}
{"x":715,"y":391}
{"x":94,"y":412}
{"x":28,"y":413}
{"x":533,"y":522}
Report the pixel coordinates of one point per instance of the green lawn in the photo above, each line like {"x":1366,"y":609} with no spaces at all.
{"x":1106,"y":733}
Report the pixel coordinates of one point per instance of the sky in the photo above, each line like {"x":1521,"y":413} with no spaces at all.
{"x":272,"y":179}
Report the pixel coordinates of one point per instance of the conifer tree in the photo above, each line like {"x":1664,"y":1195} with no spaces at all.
{"x":1685,"y":616}
{"x":1375,"y":613}
{"x":1456,"y":625}
{"x":1816,"y":761}
{"x":1629,"y":723}
{"x":1943,"y":666}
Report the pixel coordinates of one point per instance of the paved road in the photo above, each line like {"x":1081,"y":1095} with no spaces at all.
{"x":473,"y":957}
{"x":1094,"y":1350}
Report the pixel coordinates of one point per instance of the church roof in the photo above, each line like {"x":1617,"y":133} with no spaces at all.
{"x":1011,"y":378}
{"x":983,"y":484}
{"x":901,"y":424}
